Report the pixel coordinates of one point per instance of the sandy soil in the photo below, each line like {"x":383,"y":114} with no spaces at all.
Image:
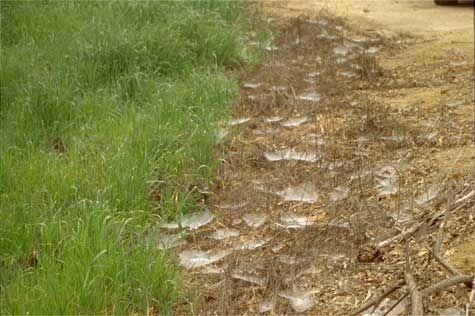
{"x":448,"y":30}
{"x":420,"y":17}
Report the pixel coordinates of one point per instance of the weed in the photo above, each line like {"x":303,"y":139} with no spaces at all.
{"x":98,"y":101}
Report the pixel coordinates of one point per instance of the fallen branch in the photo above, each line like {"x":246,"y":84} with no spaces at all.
{"x":465,"y":197}
{"x":416,"y":226}
{"x":395,"y":304}
{"x":466,"y":279}
{"x":416,"y":296}
{"x":458,"y":201}
{"x":440,"y":214}
{"x":376,"y":300}
{"x":438,"y":242}
{"x":402,"y":236}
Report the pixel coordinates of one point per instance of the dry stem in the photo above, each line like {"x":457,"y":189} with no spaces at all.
{"x":416,"y":296}
{"x":377,"y":300}
{"x":466,"y":279}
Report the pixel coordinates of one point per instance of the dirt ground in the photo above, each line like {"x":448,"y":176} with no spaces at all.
{"x":446,"y":30}
{"x":348,"y":166}
{"x":419,"y":17}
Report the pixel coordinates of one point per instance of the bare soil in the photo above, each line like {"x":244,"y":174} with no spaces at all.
{"x":369,"y":104}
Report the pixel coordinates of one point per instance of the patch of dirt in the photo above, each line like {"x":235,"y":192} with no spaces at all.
{"x":449,"y":24}
{"x":344,"y":138}
{"x":461,"y":255}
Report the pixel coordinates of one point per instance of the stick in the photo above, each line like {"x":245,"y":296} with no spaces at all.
{"x":408,"y":233}
{"x":463,"y":198}
{"x":467,"y":279}
{"x":415,"y":227}
{"x":416,"y":296}
{"x":377,"y":300}
{"x":438,"y":242}
{"x":438,"y":215}
{"x":453,"y":210}
{"x":396,"y":304}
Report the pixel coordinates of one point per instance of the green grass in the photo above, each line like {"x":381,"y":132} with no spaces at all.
{"x":100,"y":101}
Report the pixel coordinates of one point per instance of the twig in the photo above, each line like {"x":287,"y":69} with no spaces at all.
{"x":465,"y":197}
{"x":416,"y":296}
{"x":438,"y":215}
{"x":467,"y":279}
{"x":468,"y":308}
{"x":377,"y":300}
{"x":395,"y":304}
{"x":438,"y":242}
{"x":416,"y":226}
{"x":402,"y":236}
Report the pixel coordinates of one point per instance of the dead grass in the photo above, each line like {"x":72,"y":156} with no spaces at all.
{"x":363,"y":129}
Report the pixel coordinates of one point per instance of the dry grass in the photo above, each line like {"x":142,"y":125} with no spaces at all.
{"x":358,"y":136}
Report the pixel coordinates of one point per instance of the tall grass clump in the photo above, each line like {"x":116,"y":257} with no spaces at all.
{"x":103,"y":104}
